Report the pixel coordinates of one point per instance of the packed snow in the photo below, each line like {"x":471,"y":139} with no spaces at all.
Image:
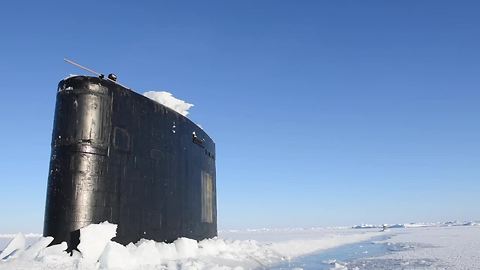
{"x":452,"y":245}
{"x":168,"y":100}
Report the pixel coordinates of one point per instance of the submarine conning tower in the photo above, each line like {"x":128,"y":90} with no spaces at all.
{"x":120,"y":157}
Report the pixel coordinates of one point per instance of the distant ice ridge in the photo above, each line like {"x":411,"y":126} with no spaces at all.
{"x":167,"y":99}
{"x":97,"y":251}
{"x":416,"y":225}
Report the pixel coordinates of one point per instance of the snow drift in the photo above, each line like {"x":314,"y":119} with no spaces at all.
{"x":167,"y":99}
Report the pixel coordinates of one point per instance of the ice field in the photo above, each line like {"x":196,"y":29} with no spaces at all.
{"x":409,"y":246}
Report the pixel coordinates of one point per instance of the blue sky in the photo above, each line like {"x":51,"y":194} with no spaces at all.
{"x":323,"y":112}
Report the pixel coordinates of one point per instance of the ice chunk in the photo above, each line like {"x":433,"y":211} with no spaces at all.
{"x":94,"y":238}
{"x":76,"y":255}
{"x":212,"y":247}
{"x":147,"y":253}
{"x":58,"y":249}
{"x":34,"y":249}
{"x":55,"y":254}
{"x":186,"y":248}
{"x":339,"y":266}
{"x":17,"y":244}
{"x":167,"y":99}
{"x":116,"y":256}
{"x":168,"y":251}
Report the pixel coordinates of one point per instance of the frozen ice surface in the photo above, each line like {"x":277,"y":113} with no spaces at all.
{"x":97,"y":251}
{"x":438,"y":247}
{"x":455,"y":247}
{"x":168,"y":100}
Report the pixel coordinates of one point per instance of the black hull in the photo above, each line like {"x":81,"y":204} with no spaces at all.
{"x":118,"y":156}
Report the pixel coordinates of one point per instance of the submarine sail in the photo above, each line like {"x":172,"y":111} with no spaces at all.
{"x":118,"y":156}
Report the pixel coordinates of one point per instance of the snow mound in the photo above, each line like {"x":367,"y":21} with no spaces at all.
{"x":167,"y":99}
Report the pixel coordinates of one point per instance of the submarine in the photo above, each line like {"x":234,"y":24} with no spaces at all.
{"x":121,"y":157}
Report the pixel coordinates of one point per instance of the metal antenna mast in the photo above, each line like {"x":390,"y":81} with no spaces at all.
{"x":100,"y":75}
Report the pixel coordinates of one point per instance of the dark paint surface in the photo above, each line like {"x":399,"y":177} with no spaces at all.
{"x":118,"y":156}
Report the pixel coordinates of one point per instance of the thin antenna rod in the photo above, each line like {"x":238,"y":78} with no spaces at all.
{"x":93,"y":71}
{"x":82,"y":67}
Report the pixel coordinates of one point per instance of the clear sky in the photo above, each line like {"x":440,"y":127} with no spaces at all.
{"x":323,"y":112}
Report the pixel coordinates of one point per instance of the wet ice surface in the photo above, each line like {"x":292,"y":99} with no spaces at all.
{"x":455,"y":247}
{"x":337,"y":256}
{"x":414,"y":248}
{"x":364,"y":255}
